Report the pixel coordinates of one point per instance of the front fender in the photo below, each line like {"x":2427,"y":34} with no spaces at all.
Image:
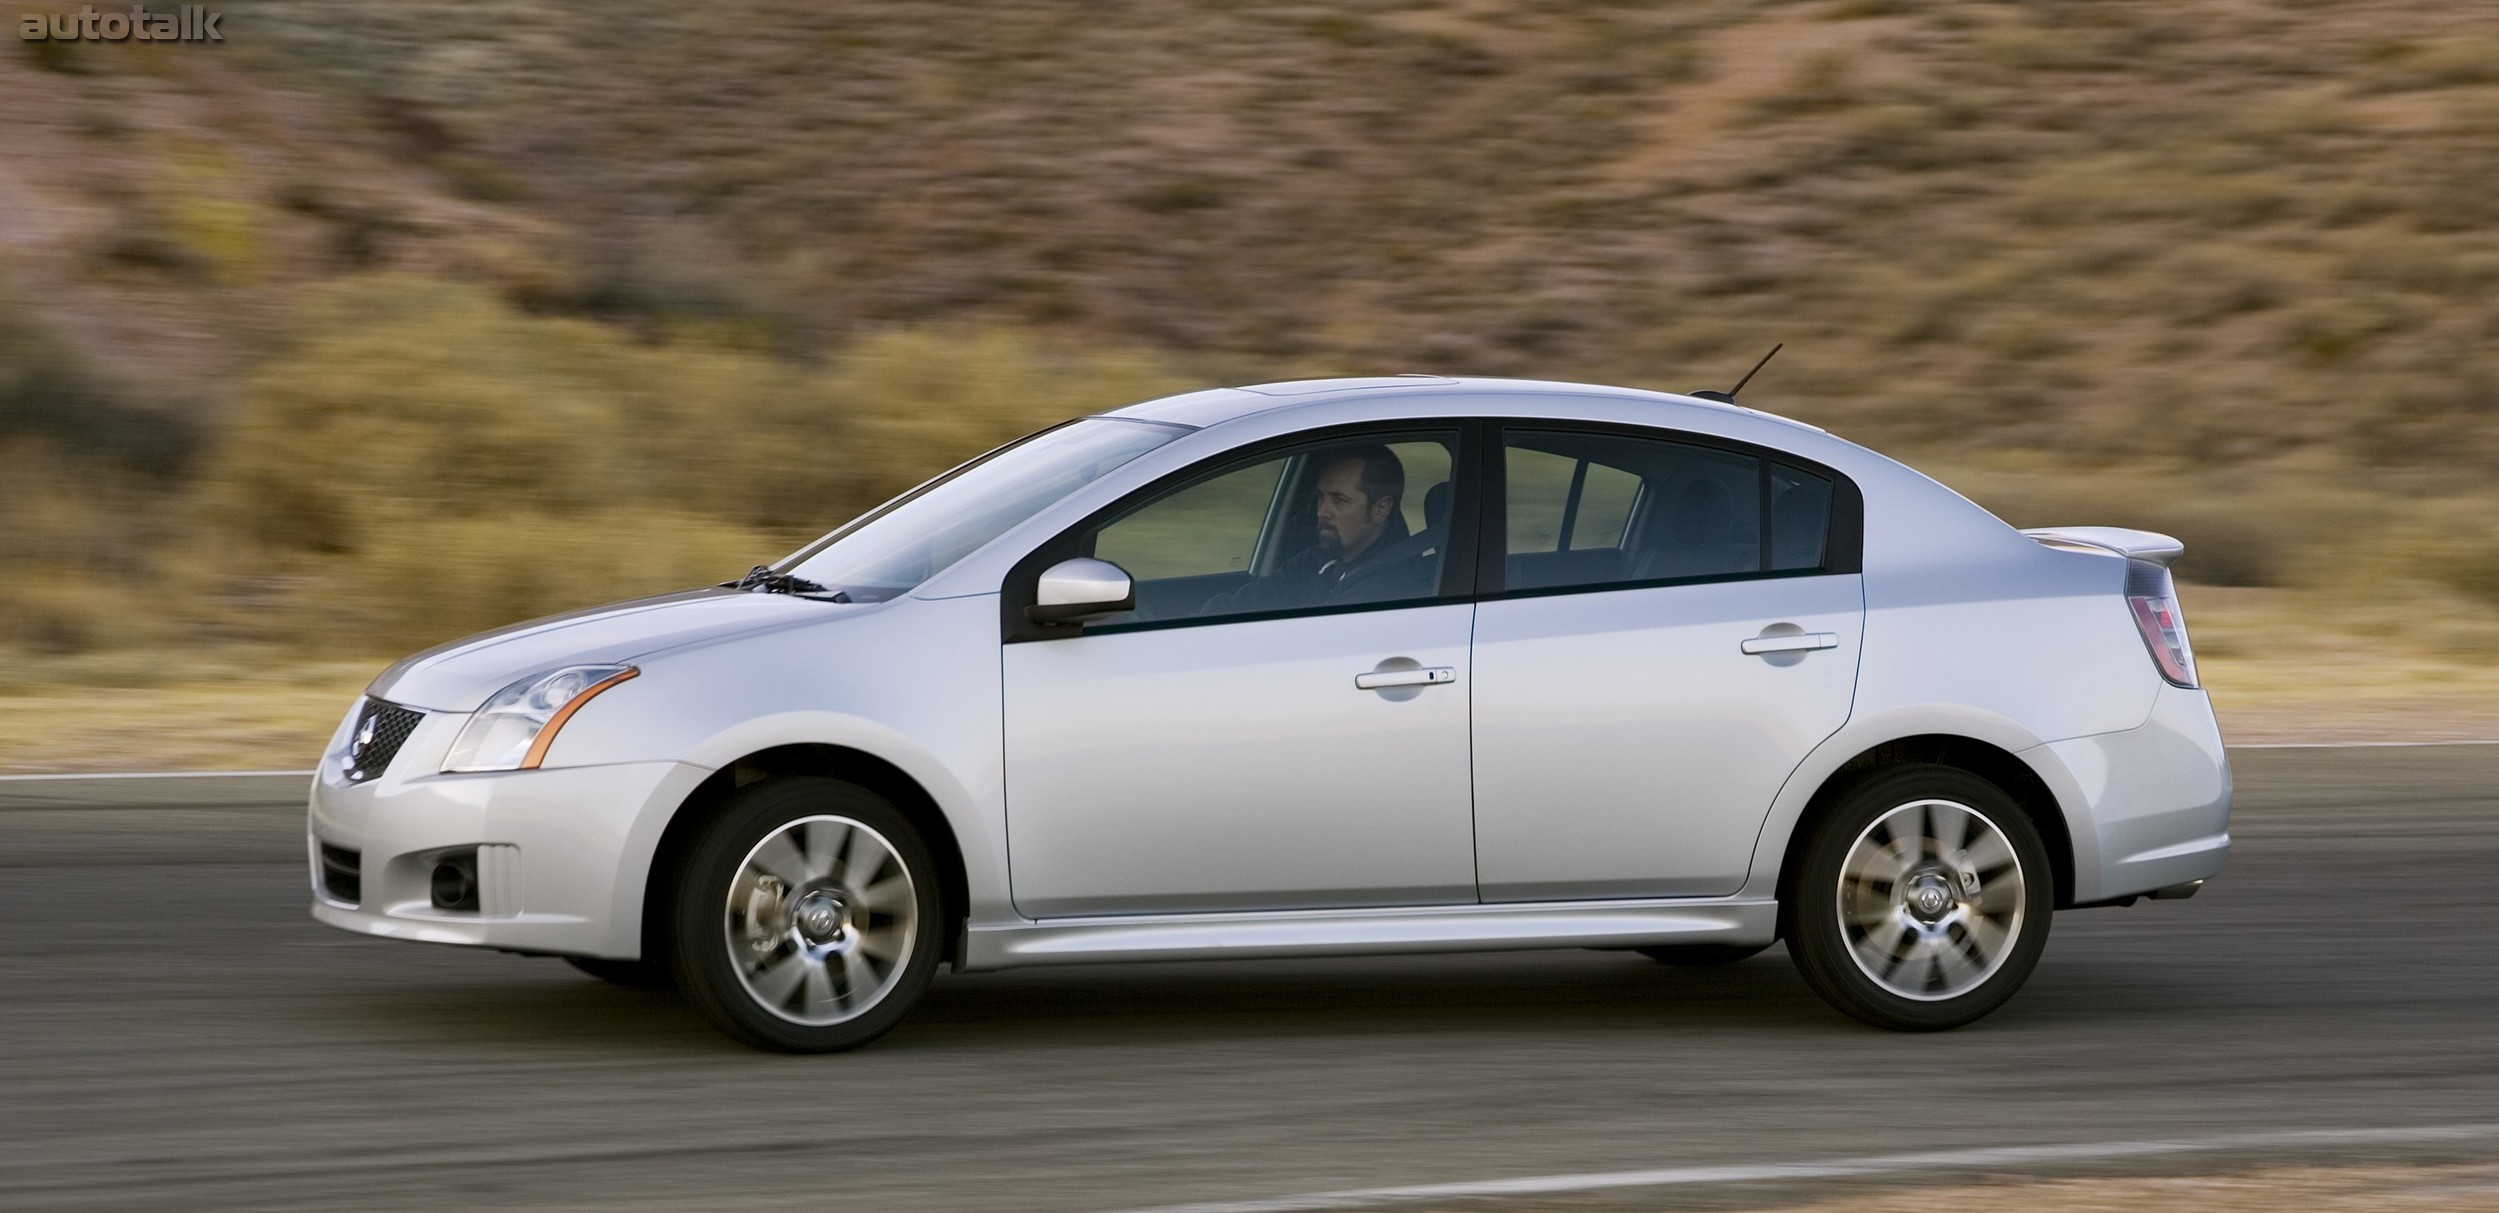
{"x":914,"y":683}
{"x":979,"y":831}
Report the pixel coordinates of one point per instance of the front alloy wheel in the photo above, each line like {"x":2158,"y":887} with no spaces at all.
{"x":1923,"y":901}
{"x":808,"y":919}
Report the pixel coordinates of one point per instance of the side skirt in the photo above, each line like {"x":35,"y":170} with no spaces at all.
{"x":1477,"y":928}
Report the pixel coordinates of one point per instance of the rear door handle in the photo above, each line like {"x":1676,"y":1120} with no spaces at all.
{"x":1797,"y":643}
{"x":1381,"y":679}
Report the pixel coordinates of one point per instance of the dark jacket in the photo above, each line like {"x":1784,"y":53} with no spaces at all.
{"x":1397,"y":566}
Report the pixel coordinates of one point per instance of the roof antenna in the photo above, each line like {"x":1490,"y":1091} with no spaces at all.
{"x":1728,"y":396}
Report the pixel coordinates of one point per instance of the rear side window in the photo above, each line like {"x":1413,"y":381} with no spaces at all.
{"x":1589,"y":510}
{"x":1800,"y":519}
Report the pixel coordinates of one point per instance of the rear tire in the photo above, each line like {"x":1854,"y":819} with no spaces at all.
{"x":808,"y":917}
{"x":1701,"y":955}
{"x":637,"y":974}
{"x":1922,"y":902}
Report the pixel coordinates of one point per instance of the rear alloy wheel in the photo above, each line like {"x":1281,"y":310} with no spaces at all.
{"x":1923,"y":902}
{"x":808,"y":919}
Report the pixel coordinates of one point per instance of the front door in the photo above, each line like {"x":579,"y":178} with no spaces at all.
{"x":1678,"y":628}
{"x":1281,"y":724}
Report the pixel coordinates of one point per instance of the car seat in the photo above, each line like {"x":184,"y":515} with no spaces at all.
{"x":1700,"y":536}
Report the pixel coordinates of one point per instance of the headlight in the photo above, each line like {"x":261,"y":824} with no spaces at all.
{"x":514,"y":729}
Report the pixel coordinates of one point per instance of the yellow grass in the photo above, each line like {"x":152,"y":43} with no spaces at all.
{"x":2281,"y":669}
{"x":272,"y":719}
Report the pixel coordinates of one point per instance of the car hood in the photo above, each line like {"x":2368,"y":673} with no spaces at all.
{"x":459,"y":676}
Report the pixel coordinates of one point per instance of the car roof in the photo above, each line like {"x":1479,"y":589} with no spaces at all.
{"x":1216,"y":406}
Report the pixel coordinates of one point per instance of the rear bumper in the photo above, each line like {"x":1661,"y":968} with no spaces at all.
{"x":556,"y":852}
{"x":2147,"y":808}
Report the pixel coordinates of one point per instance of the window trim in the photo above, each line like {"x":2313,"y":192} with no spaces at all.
{"x":1843,"y":547}
{"x":1478,"y":519}
{"x":1457,"y":575}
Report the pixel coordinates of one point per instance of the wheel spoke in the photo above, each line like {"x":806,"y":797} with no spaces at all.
{"x":1909,"y":837}
{"x":1950,"y":827}
{"x":1867,"y":863}
{"x":1871,"y":911}
{"x":824,"y":846}
{"x":891,"y":895}
{"x":779,"y":858}
{"x":1883,"y":936}
{"x":859,"y":981}
{"x":866,"y":859}
{"x":1954,"y":961}
{"x":1998,"y":897}
{"x":885,"y":943}
{"x":1915,"y":969}
{"x":772,"y":983}
{"x":1988,"y":852}
{"x":1986,"y":935}
{"x":820,"y":996}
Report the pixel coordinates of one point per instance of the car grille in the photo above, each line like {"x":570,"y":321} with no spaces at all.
{"x":342,"y":874}
{"x":380,"y":730}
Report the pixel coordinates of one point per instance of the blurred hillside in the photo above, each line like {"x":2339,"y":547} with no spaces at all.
{"x":570,"y":303}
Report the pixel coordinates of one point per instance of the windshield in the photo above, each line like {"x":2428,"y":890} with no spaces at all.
{"x":912,"y":538}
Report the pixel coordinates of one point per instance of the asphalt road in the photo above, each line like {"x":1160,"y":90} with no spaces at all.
{"x":175,"y":1032}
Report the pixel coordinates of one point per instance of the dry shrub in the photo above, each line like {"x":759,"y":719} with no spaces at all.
{"x":2282,"y":528}
{"x":427,"y":461}
{"x":918,"y":402}
{"x":60,"y":610}
{"x":441,"y":578}
{"x":2452,"y":545}
{"x":2443,"y":64}
{"x":87,"y":466}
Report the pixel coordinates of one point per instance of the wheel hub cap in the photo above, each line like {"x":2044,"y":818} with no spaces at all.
{"x":1929,"y":895}
{"x":823,"y":917}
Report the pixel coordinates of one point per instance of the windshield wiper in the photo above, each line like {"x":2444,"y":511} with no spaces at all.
{"x":763,"y":580}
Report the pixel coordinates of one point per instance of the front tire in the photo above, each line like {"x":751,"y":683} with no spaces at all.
{"x":1922,"y":902}
{"x":808,"y":917}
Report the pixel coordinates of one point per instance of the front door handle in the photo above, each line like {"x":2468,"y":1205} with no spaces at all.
{"x":1382,"y":679}
{"x":1797,"y":642}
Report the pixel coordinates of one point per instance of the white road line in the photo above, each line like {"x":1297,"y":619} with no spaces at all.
{"x":2348,"y":745}
{"x":1837,"y":1168}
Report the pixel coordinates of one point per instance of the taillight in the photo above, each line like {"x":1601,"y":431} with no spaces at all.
{"x":2154,"y":600}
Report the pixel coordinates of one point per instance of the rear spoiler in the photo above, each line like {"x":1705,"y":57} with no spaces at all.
{"x":2150,"y":546}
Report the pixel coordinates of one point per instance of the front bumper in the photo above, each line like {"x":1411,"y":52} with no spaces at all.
{"x":562,"y":854}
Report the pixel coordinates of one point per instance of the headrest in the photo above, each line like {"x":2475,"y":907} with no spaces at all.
{"x":1436,"y":506}
{"x":1797,"y":521}
{"x":1703,"y":512}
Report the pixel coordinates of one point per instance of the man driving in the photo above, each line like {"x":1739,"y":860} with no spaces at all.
{"x":1363,"y":553}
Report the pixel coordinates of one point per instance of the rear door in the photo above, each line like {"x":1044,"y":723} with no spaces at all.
{"x":1675,"y":625}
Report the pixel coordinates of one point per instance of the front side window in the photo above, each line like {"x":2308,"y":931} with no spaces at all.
{"x":1587,"y":510}
{"x":1345,"y":523}
{"x":892,"y":550}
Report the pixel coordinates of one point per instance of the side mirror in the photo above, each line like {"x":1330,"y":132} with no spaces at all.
{"x":1073,"y":591}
